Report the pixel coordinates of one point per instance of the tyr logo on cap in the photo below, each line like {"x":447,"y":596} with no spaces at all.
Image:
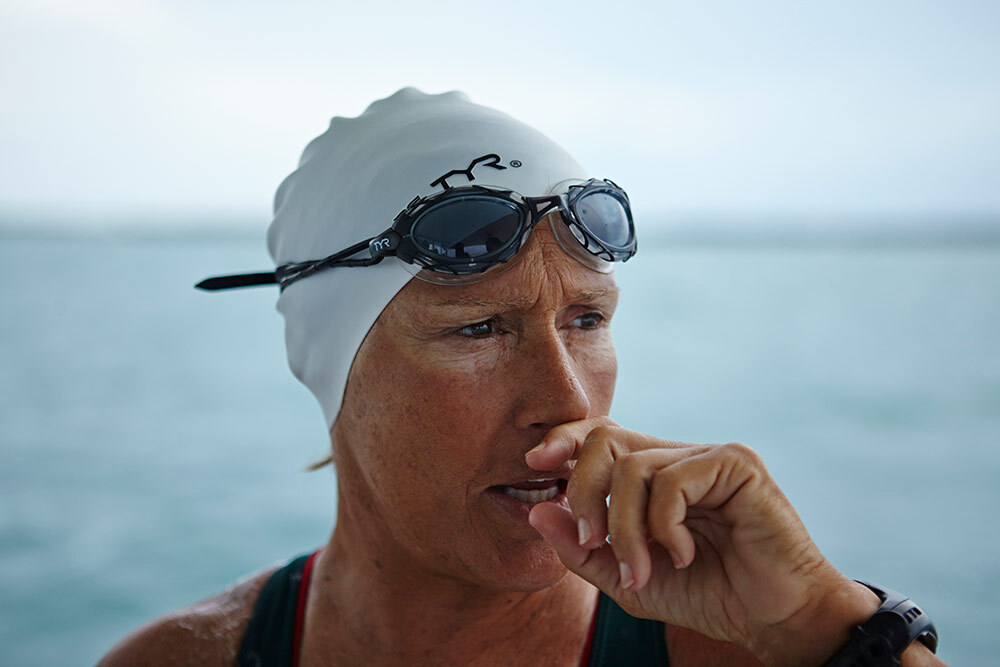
{"x":491,"y":160}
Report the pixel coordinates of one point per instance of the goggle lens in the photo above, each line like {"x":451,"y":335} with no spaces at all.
{"x":604,"y":215}
{"x":455,"y":230}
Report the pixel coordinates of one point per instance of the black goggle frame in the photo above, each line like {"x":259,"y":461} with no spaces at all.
{"x":398,"y":239}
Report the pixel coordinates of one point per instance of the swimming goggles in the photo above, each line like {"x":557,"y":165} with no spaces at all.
{"x":455,"y":236}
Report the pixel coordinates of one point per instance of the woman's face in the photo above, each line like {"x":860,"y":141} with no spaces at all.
{"x":451,"y":387}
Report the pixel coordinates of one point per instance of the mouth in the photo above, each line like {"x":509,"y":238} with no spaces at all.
{"x":534,"y":491}
{"x":518,"y":498}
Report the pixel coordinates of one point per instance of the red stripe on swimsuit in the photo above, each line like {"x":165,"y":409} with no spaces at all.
{"x":300,"y":608}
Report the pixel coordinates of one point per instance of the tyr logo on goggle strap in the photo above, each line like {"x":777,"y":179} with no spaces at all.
{"x":491,"y":160}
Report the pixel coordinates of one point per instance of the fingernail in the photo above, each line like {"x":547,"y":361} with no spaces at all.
{"x":583,"y":530}
{"x":678,"y":563}
{"x":626,"y":575}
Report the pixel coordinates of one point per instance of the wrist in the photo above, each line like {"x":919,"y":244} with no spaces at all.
{"x":820,"y":628}
{"x":891,"y":631}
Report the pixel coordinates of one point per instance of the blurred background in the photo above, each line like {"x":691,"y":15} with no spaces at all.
{"x":816,"y":191}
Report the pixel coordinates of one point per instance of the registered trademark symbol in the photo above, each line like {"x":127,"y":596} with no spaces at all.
{"x":515,"y":163}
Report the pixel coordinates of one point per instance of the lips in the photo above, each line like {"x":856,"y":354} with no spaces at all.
{"x":532,"y":491}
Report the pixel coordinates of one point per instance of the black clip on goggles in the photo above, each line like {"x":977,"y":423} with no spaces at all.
{"x":453,"y":237}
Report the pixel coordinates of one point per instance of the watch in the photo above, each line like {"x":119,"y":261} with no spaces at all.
{"x":882,"y":638}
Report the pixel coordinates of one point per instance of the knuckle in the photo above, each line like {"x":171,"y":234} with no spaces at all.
{"x":665,"y":478}
{"x":663,"y":500}
{"x":659,"y":527}
{"x":628,"y":467}
{"x":742,"y":452}
{"x":601,"y":433}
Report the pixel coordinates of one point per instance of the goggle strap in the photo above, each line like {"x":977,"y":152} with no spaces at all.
{"x":289,"y":273}
{"x":286,"y":274}
{"x":231,"y":282}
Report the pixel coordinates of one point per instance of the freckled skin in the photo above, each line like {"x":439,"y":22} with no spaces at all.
{"x":450,"y":389}
{"x":434,"y":415}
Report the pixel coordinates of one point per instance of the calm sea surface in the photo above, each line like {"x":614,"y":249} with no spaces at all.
{"x":153,"y":441}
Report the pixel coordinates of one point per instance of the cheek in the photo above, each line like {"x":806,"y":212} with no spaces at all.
{"x":450,"y":408}
{"x":427,"y":415}
{"x":601,"y":390}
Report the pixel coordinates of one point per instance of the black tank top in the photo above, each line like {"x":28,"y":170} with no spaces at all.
{"x":275,"y":629}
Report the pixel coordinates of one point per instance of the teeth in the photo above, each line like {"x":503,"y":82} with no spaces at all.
{"x":533,"y":495}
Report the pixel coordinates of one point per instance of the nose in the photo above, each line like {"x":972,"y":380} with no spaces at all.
{"x":552,"y":392}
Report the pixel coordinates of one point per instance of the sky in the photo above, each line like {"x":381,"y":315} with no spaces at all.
{"x":151,"y":109}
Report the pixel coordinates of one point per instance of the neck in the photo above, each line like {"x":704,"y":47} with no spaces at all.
{"x":369,"y":600}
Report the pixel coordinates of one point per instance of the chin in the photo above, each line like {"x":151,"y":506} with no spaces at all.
{"x":528,"y":567}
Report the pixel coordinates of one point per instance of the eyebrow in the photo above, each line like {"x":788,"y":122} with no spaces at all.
{"x":583,"y":296}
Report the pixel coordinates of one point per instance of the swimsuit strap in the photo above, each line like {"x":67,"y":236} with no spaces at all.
{"x":620,"y":639}
{"x":274,"y":633}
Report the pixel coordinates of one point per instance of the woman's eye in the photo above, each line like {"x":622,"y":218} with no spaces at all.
{"x":588,"y":321}
{"x":478,"y":330}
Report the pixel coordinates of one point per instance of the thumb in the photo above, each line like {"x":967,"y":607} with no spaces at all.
{"x":598,"y":566}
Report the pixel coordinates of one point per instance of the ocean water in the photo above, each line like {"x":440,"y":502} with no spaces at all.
{"x":153,"y":441}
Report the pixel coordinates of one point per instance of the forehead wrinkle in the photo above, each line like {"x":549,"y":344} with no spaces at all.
{"x":594,"y":295}
{"x":583,"y":296}
{"x":480,"y":302}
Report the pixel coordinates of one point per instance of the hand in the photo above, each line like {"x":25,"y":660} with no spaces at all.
{"x":700,"y":537}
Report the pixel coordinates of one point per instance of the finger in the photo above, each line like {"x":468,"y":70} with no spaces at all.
{"x":627,"y":518}
{"x":590,"y":484}
{"x":705,"y":478}
{"x":628,"y":510}
{"x":598,"y":566}
{"x":563,"y":443}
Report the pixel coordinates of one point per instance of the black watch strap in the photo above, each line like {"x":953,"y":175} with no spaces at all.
{"x":883,"y":637}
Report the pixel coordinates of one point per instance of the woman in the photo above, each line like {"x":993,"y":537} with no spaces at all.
{"x":468,"y":421}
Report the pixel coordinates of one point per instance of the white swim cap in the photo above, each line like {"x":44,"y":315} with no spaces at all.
{"x":352,"y":181}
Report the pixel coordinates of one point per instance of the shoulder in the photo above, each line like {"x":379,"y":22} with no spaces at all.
{"x":206,"y":633}
{"x":687,"y":647}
